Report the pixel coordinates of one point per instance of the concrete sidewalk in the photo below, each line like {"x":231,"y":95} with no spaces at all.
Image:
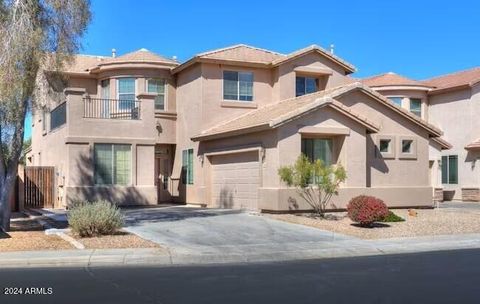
{"x":338,"y":249}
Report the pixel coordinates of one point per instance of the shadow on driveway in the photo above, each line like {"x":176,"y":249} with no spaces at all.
{"x":139,"y":216}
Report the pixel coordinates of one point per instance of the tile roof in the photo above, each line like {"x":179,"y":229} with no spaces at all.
{"x":390,"y":79}
{"x":473,"y":145}
{"x":457,"y":79}
{"x":250,"y":54}
{"x":141,"y":55}
{"x":81,"y":63}
{"x":242,"y":52}
{"x":274,"y":115}
{"x":315,"y":48}
{"x":445,"y":145}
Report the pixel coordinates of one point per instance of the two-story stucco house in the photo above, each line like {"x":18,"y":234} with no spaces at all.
{"x":144,"y":129}
{"x":451,"y":102}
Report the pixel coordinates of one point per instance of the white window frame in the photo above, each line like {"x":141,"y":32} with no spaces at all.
{"x":238,"y":86}
{"x":165,"y":91}
{"x":118,"y":89}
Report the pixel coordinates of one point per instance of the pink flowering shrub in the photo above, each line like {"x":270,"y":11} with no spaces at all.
{"x":366,"y":210}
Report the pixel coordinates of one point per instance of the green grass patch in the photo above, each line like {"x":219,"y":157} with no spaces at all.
{"x":392,"y":218}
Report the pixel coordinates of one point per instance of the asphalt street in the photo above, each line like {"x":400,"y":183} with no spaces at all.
{"x":437,"y":277}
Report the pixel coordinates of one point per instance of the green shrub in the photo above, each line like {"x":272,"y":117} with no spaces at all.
{"x":88,"y":219}
{"x":392,"y":218}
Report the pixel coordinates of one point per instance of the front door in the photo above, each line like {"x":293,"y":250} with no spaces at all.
{"x":162,"y":178}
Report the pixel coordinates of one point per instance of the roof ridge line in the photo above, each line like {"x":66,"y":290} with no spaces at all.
{"x":451,"y":74}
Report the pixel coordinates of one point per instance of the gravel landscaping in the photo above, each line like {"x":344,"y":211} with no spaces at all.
{"x":427,"y":222}
{"x":27,"y":235}
{"x":119,"y":240}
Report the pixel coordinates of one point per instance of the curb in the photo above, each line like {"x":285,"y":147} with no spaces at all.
{"x":162,"y":257}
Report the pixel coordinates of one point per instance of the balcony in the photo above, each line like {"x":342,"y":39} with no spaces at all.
{"x":111,"y":108}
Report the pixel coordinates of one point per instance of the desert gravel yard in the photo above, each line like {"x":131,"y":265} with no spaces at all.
{"x":27,"y":234}
{"x":119,"y":240}
{"x":427,"y":222}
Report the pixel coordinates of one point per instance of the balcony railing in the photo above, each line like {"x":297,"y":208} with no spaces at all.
{"x":111,"y":108}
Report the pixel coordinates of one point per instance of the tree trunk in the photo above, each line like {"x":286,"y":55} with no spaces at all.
{"x":5,"y":194}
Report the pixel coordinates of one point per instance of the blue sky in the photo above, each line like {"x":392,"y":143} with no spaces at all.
{"x":418,"y":39}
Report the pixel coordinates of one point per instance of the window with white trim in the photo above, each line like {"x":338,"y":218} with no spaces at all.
{"x":238,"y":86}
{"x":126,"y":93}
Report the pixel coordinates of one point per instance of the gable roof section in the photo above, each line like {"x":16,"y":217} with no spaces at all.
{"x":315,"y":49}
{"x":390,"y":79}
{"x":242,"y":53}
{"x":461,"y":79}
{"x":274,"y":115}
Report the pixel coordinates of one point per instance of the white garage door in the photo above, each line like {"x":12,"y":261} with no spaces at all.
{"x":235,"y":179}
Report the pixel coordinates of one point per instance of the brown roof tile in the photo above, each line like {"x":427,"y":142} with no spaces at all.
{"x":390,"y":79}
{"x":457,"y":79}
{"x":141,"y":55}
{"x":242,"y":52}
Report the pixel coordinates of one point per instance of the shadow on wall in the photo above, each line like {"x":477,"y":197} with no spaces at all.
{"x":86,"y":190}
{"x":226,"y":198}
{"x":374,"y":160}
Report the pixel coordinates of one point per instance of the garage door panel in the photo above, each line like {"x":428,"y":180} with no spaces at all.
{"x":235,"y":180}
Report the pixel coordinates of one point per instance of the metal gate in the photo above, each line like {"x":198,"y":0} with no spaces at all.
{"x":39,"y":187}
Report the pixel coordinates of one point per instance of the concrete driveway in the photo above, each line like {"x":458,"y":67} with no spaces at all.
{"x":185,"y":230}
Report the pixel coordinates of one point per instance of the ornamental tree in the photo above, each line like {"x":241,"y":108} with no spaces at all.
{"x":314,"y":181}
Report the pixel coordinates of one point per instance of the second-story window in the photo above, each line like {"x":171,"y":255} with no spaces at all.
{"x":105,"y":89}
{"x":416,"y":106}
{"x":157,"y":86}
{"x":305,"y":85}
{"x":396,"y":100}
{"x":126,"y":93}
{"x":238,"y":85}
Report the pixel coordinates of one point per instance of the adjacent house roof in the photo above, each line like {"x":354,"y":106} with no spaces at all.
{"x":274,"y":115}
{"x":473,"y":145}
{"x":466,"y":78}
{"x":390,"y":79}
{"x":242,"y":53}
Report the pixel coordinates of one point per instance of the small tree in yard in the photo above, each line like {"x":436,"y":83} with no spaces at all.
{"x":315,"y":182}
{"x":33,"y":34}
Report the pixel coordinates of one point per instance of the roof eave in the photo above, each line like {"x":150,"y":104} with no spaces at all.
{"x":219,"y":135}
{"x":348,"y":67}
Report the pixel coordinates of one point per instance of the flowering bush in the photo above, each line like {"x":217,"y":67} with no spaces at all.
{"x":366,"y":210}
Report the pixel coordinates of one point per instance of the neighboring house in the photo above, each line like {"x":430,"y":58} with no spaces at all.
{"x":451,"y":102}
{"x":143,"y":129}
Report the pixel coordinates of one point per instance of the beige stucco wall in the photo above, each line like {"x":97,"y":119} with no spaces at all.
{"x":406,"y":95}
{"x":457,"y":113}
{"x":284,"y":75}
